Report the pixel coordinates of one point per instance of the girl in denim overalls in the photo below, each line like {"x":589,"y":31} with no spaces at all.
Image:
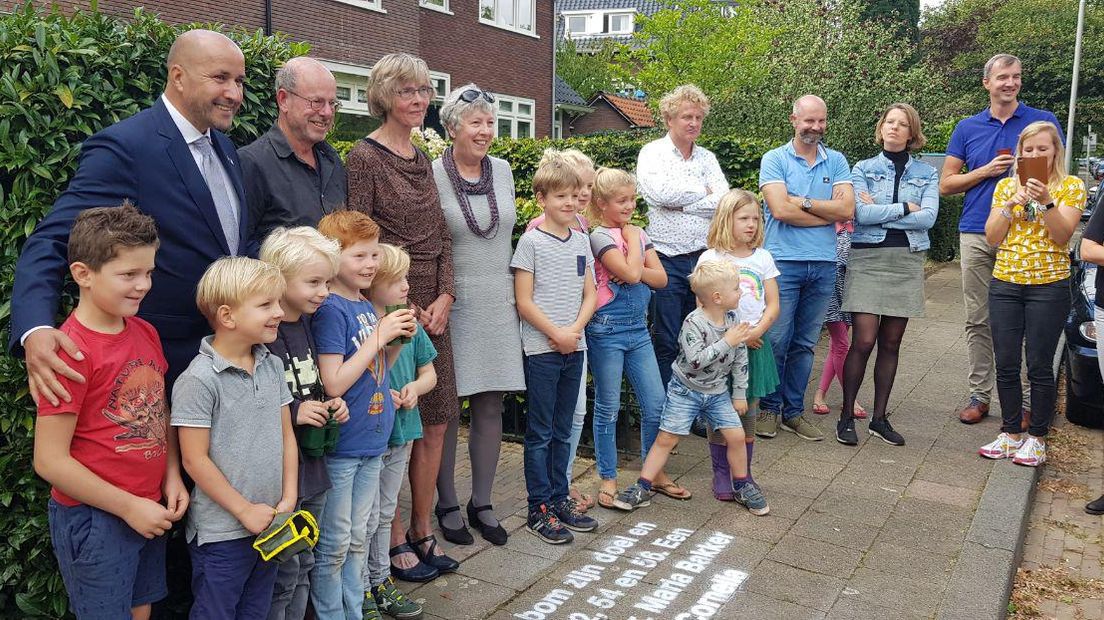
{"x":618,"y":342}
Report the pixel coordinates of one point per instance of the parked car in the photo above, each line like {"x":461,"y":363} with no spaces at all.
{"x":1084,"y":386}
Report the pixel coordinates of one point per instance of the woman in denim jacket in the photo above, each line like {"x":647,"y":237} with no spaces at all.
{"x":897,"y":200}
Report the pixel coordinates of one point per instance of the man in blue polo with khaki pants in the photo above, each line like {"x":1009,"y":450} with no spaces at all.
{"x":807,"y":187}
{"x":985,"y":144}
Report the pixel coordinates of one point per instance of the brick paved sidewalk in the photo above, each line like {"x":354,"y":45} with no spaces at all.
{"x":1062,"y":540}
{"x":872,"y":531}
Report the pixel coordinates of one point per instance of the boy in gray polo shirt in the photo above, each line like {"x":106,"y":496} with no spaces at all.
{"x":236,"y":440}
{"x":555,"y":290}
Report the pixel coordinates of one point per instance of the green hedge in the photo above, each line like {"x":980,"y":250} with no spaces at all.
{"x":62,"y":79}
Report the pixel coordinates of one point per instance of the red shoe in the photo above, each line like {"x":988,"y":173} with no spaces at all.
{"x":860,"y":413}
{"x":820,"y":409}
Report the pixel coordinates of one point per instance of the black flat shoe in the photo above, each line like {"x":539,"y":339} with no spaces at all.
{"x":458,"y":536}
{"x":420,"y":573}
{"x":1095,"y":507}
{"x":443,"y":563}
{"x":495,"y":535}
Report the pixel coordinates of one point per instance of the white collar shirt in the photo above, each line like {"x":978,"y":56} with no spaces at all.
{"x":191,"y":137}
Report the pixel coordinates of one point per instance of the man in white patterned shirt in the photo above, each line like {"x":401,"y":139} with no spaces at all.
{"x":682,"y":184}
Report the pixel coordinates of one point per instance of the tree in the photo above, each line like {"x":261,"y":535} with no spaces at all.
{"x":959,"y":36}
{"x":828,"y":48}
{"x":587,"y":71}
{"x":719,"y":47}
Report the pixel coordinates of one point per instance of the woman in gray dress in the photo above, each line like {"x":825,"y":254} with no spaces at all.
{"x":477,"y":196}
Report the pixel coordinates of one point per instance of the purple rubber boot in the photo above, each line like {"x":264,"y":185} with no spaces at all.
{"x":722,"y":479}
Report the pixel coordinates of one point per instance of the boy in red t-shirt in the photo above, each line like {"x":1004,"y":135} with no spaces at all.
{"x":109,"y":453}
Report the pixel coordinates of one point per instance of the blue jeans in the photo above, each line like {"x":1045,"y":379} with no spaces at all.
{"x":578,"y":420}
{"x":804,"y":290}
{"x":670,"y":306}
{"x":552,"y":382}
{"x":616,"y":350}
{"x":350,"y":517}
{"x":392,"y":472}
{"x":685,"y":403}
{"x":289,"y":596}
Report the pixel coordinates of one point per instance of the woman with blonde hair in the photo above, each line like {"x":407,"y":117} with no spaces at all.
{"x":896,"y":202}
{"x":1030,"y":223}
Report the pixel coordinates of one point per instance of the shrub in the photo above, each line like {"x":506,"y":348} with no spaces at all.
{"x":62,"y":78}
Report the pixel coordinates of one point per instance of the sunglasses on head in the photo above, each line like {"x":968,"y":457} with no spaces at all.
{"x":472,"y":94}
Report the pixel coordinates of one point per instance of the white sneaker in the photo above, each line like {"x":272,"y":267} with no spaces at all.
{"x":1004,"y":447}
{"x":1032,"y":453}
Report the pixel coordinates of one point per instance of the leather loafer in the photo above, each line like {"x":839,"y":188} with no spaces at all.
{"x":1025,"y":423}
{"x":1095,"y":507}
{"x":420,"y":573}
{"x":974,"y":412}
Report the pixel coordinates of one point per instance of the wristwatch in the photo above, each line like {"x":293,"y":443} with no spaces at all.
{"x":806,"y":205}
{"x":1047,"y":207}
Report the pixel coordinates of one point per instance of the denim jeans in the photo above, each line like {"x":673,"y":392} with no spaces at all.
{"x":292,"y":589}
{"x":350,"y":515}
{"x":670,"y":305}
{"x":578,"y":420}
{"x":617,"y":350}
{"x":1030,"y":316}
{"x":552,"y":381}
{"x":392,"y":472}
{"x":804,"y":290}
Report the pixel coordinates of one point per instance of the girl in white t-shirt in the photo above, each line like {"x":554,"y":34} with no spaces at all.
{"x":736,"y":235}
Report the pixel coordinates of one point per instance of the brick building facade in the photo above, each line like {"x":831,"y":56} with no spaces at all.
{"x":504,"y":46}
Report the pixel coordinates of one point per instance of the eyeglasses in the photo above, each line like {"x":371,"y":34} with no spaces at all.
{"x":406,"y":94}
{"x":317,"y":104}
{"x":472,"y":94}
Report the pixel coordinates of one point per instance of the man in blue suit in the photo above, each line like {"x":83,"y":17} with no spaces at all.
{"x":172,"y":161}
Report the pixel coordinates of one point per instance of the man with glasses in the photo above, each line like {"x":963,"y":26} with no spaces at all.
{"x":293,"y":177}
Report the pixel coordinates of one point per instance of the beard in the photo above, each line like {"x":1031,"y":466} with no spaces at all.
{"x":810,"y":137}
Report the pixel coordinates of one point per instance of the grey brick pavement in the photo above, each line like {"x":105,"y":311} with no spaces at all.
{"x":872,"y":531}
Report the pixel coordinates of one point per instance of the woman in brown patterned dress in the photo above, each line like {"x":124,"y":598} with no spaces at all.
{"x":392,"y":181}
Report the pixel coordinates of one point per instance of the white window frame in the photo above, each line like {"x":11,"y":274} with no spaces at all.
{"x":440,"y":8}
{"x":371,"y":5}
{"x":355,"y":78}
{"x":557,"y":125}
{"x":567,"y":24}
{"x":514,"y":116}
{"x":629,"y":15}
{"x":511,"y":27}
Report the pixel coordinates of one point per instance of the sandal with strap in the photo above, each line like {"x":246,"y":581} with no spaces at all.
{"x":609,"y":499}
{"x":419,"y":573}
{"x":443,"y":563}
{"x":458,"y":536}
{"x":496,"y":534}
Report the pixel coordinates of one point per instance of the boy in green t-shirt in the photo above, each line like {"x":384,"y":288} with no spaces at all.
{"x":412,"y":375}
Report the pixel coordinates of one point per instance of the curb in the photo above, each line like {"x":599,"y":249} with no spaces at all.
{"x":982,"y":580}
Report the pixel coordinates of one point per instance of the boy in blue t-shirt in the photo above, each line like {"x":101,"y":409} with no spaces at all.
{"x":412,"y":376}
{"x":353,"y":359}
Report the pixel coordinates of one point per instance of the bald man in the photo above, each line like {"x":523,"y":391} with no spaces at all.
{"x":292,"y":176}
{"x":172,"y":161}
{"x":807,"y":187}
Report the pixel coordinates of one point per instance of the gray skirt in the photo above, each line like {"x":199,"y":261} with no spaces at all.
{"x":885,"y":281}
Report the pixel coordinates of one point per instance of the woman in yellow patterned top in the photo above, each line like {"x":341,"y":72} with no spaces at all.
{"x":1029,"y":296}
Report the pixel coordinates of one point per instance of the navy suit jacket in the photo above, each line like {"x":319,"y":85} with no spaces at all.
{"x":144,"y":159}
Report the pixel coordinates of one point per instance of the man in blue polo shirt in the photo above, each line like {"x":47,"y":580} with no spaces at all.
{"x":985,"y":144}
{"x":808,"y":189}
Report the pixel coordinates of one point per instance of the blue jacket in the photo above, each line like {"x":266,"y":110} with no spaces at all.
{"x":919,"y":185}
{"x":143,"y":158}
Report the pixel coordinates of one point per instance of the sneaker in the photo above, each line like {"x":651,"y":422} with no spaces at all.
{"x":751,"y":496}
{"x":567,"y":511}
{"x":545,"y":526}
{"x":1032,"y":453}
{"x":1004,"y":447}
{"x":845,"y":432}
{"x":632,"y":498}
{"x":766,"y":424}
{"x":391,"y":601}
{"x":803,"y":428}
{"x":368,"y":609}
{"x":881,"y":428}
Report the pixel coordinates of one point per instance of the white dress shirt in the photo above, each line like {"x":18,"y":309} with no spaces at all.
{"x":682,"y":194}
{"x":191,"y":136}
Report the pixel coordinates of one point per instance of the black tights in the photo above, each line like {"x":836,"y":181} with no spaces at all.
{"x":866,"y":331}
